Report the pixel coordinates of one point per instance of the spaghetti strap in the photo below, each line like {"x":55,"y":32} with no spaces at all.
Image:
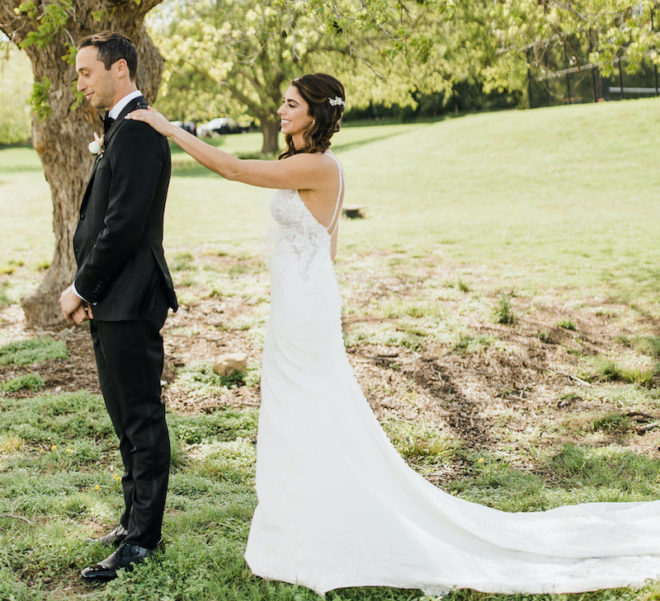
{"x":335,"y":216}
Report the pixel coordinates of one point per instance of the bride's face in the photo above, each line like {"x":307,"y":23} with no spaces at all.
{"x":294,"y":114}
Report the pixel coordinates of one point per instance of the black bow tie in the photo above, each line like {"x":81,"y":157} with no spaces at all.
{"x":107,"y":122}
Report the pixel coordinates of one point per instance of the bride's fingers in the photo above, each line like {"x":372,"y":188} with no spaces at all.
{"x":139,"y":115}
{"x":150,"y":116}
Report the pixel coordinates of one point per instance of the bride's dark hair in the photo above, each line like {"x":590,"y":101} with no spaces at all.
{"x":326,"y":98}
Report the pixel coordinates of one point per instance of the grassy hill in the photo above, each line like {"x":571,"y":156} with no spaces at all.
{"x":559,"y":196}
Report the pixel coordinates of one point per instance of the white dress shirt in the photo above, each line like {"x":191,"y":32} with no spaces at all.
{"x":119,"y":106}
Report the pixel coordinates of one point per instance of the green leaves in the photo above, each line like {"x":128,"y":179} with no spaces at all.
{"x":40,"y":98}
{"x":236,"y":58}
{"x":70,"y":56}
{"x":51,"y":21}
{"x":600,"y":31}
{"x":27,"y":8}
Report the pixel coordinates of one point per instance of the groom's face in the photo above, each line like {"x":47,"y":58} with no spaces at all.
{"x":94,"y":80}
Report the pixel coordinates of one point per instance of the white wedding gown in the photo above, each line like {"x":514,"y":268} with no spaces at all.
{"x":338,"y":506}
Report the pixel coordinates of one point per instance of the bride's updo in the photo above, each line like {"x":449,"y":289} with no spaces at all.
{"x":326,"y":99}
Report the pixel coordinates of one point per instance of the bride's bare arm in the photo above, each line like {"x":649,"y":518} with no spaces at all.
{"x":302,"y":171}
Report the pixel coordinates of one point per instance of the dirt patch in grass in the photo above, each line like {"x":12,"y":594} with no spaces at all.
{"x":524,"y":395}
{"x":76,"y":372}
{"x":519,"y":394}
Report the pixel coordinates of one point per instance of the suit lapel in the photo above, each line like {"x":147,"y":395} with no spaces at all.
{"x":88,"y":188}
{"x":131,"y":106}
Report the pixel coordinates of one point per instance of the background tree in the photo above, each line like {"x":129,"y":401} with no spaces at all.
{"x":48,"y":30}
{"x":225,"y":57}
{"x":62,"y":125}
{"x":237,"y":55}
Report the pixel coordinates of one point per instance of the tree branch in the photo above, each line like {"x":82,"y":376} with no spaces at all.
{"x":352,"y":49}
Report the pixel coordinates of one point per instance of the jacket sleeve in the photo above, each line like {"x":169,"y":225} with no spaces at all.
{"x":136,"y":163}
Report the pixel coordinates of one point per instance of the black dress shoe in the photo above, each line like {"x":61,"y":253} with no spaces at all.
{"x":112,"y":539}
{"x":124,"y":558}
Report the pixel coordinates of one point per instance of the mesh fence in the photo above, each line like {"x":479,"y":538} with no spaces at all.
{"x":560,"y":82}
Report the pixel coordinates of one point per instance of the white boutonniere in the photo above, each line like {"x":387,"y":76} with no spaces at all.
{"x":96,"y":147}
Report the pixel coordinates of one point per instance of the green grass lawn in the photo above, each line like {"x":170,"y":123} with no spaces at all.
{"x":501,"y":249}
{"x":561,"y":197}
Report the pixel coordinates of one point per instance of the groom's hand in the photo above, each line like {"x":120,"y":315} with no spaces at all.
{"x":80,"y":314}
{"x":70,"y":302}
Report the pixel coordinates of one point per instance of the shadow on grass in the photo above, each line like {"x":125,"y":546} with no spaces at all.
{"x":463,"y":413}
{"x":370,"y":140}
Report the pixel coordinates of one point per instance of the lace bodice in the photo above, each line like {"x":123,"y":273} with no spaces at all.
{"x":296,"y":225}
{"x":298,"y":230}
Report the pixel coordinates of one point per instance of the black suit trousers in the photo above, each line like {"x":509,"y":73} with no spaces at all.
{"x":129,"y":359}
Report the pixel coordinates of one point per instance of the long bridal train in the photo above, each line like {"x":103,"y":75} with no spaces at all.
{"x":338,"y":506}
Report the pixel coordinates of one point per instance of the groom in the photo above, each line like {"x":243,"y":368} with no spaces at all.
{"x":124,"y":286}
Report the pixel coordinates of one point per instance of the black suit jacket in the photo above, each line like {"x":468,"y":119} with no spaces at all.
{"x":118,"y":243}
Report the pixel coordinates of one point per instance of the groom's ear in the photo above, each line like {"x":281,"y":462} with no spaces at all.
{"x":120,"y":68}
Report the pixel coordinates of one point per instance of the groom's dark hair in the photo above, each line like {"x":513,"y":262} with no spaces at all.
{"x":113,"y":46}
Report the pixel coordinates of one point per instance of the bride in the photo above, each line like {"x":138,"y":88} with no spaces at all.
{"x":337,"y":505}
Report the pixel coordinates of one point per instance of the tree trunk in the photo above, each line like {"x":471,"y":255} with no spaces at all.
{"x":270,"y":129}
{"x":61,"y":139}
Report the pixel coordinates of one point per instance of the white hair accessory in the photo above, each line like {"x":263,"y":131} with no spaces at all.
{"x":336,"y":101}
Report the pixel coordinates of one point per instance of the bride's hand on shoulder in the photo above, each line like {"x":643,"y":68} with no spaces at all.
{"x":153,"y":118}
